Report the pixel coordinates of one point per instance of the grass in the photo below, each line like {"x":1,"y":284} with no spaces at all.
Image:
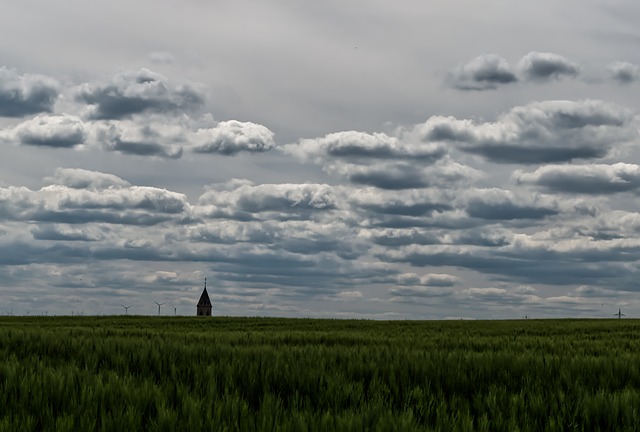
{"x":165,"y":374}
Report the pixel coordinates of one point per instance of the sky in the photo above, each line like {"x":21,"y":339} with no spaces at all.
{"x":361,"y":159}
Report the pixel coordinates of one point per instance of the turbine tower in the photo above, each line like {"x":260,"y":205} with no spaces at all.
{"x":159,"y":305}
{"x":619,"y":314}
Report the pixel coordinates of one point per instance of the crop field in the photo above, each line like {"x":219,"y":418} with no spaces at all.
{"x":243,"y":374}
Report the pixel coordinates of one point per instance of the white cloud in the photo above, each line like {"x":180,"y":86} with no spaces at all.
{"x":59,"y":131}
{"x":540,"y":132}
{"x":232,"y":137}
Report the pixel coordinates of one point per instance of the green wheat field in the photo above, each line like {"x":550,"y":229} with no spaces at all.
{"x":266,"y":374}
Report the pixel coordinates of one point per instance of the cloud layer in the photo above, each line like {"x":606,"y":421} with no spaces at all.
{"x":489,"y":71}
{"x":394,"y":164}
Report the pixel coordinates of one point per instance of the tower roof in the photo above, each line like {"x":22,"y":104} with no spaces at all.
{"x":204,"y":299}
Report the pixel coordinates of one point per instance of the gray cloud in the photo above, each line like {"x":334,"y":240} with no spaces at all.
{"x":62,"y":233}
{"x":142,"y":148}
{"x":541,"y":132}
{"x":141,"y":139}
{"x":410,"y":292}
{"x":404,"y":175}
{"x":143,"y":91}
{"x":421,"y":202}
{"x":161,"y":57}
{"x":238,"y":198}
{"x":231,"y":137}
{"x":542,"y":265}
{"x":300,"y":237}
{"x":229,"y":232}
{"x":129,"y":205}
{"x":362,"y":147}
{"x":591,"y":179}
{"x":393,"y":237}
{"x":78,"y":178}
{"x":430,"y":279}
{"x":485,"y":72}
{"x":543,"y":66}
{"x":624,"y":72}
{"x":22,"y":95}
{"x":498,"y":204}
{"x":506,"y":211}
{"x":387,"y":162}
{"x":427,"y":285}
{"x":63,"y":131}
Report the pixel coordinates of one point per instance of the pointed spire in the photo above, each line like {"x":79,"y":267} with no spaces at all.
{"x":204,"y":298}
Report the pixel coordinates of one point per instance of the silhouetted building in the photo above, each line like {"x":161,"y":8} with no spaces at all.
{"x":204,"y":304}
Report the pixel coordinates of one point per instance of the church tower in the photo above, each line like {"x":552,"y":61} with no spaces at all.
{"x":204,"y":304}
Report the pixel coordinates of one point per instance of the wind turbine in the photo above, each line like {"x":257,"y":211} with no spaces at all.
{"x":619,"y":314}
{"x":159,"y":305}
{"x":126,"y":309}
{"x":175,"y":310}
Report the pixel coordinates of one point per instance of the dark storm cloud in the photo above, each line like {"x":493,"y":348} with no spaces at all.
{"x":22,"y":95}
{"x":143,"y":91}
{"x":624,"y":72}
{"x":593,"y":179}
{"x":541,"y":132}
{"x":485,"y":72}
{"x":544,"y":66}
{"x":231,"y":137}
{"x":62,"y":131}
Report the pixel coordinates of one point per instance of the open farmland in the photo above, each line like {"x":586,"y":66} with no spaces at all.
{"x":144,"y":373}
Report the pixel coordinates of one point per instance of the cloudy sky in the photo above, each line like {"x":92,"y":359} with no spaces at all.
{"x":362,"y":159}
